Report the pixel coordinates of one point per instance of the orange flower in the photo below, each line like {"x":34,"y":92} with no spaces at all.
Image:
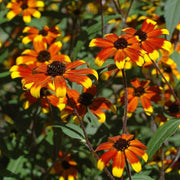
{"x":119,"y":148}
{"x":121,"y":47}
{"x":148,"y":37}
{"x":47,"y":34}
{"x":46,"y":99}
{"x":87,"y":100}
{"x":52,"y":75}
{"x":28,"y":8}
{"x":141,"y":91}
{"x":41,"y":53}
{"x":65,"y":166}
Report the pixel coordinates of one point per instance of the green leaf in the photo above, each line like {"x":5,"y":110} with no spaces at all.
{"x":141,"y":177}
{"x":172,"y":9}
{"x":162,"y":133}
{"x":4,"y":74}
{"x":72,"y":130}
{"x":176,"y":56}
{"x":77,"y":48}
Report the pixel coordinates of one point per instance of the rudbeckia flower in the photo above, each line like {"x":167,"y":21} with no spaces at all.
{"x":65,"y":166}
{"x":148,"y":37}
{"x":48,"y":34}
{"x":87,"y":100}
{"x":41,"y":53}
{"x":46,"y":100}
{"x":28,"y":8}
{"x":120,"y":47}
{"x":172,"y":108}
{"x":141,"y":91}
{"x":119,"y":148}
{"x":53,"y":75}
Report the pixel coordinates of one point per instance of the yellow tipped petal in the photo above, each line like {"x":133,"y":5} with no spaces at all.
{"x":140,"y":61}
{"x":64,"y":114}
{"x":120,"y":65}
{"x":95,"y":74}
{"x":104,"y":76}
{"x":26,"y":105}
{"x":9,"y":5}
{"x":149,"y":110}
{"x":15,"y":74}
{"x":19,"y":60}
{"x":28,"y":86}
{"x":87,"y":83}
{"x":26,"y":40}
{"x":92,"y":43}
{"x":165,"y":31}
{"x":26,"y":29}
{"x":11,"y":15}
{"x":145,"y":157}
{"x":99,"y":62}
{"x":113,"y":109}
{"x":61,"y":106}
{"x":61,"y":178}
{"x":40,"y":4}
{"x":117,"y":172}
{"x":151,"y":21}
{"x":154,"y":55}
{"x":167,"y":45}
{"x":27,"y":19}
{"x":45,"y":110}
{"x":101,"y":117}
{"x":100,"y":165}
{"x":136,"y":166}
{"x":35,"y":91}
{"x":60,"y":92}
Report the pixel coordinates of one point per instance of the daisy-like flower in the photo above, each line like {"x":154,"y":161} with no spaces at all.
{"x":148,"y":37}
{"x":48,"y":34}
{"x":141,"y":91}
{"x":120,"y":47}
{"x":119,"y":148}
{"x":172,"y":108}
{"x":28,"y":8}
{"x":46,"y":99}
{"x":53,"y":75}
{"x":41,"y":53}
{"x":87,"y":100}
{"x":65,"y":166}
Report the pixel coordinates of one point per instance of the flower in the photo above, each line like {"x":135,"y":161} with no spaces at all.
{"x":65,"y":166}
{"x":148,"y":37}
{"x":172,"y":108}
{"x":141,"y":91}
{"x":41,"y":53}
{"x":120,"y":47}
{"x":48,"y":34}
{"x":46,"y":100}
{"x":52,"y":75}
{"x":119,"y":148}
{"x":28,"y":8}
{"x":87,"y":100}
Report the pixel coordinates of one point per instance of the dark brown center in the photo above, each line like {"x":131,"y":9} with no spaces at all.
{"x":24,"y":5}
{"x":65,"y":165}
{"x":139,"y":91}
{"x":85,"y":99}
{"x":121,"y":43}
{"x":174,"y":108}
{"x":121,"y":144}
{"x":43,"y":32}
{"x":56,"y":68}
{"x":43,"y":56}
{"x":142,"y":35}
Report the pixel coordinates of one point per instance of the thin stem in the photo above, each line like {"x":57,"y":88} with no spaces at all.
{"x":86,"y":137}
{"x":171,"y":89}
{"x":125,"y":101}
{"x":102,"y":19}
{"x":128,"y":169}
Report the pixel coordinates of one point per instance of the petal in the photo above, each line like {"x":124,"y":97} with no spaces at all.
{"x":105,"y":146}
{"x":157,"y":32}
{"x":55,"y":48}
{"x":137,"y":143}
{"x":148,"y":25}
{"x":112,"y":37}
{"x":100,"y":115}
{"x":146,"y":103}
{"x":105,"y":158}
{"x":129,"y":30}
{"x":132,"y":105}
{"x":118,"y":164}
{"x":120,"y":59}
{"x":100,"y":42}
{"x":60,"y":86}
{"x":39,"y":44}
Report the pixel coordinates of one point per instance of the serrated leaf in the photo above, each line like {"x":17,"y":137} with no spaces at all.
{"x":172,"y":9}
{"x":162,"y":133}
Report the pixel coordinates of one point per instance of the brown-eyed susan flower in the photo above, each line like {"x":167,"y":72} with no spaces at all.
{"x":120,"y":47}
{"x":121,"y":148}
{"x":53,"y":74}
{"x":87,"y":100}
{"x":65,"y":166}
{"x":148,"y":37}
{"x":28,"y":8}
{"x":46,"y":100}
{"x":41,"y":53}
{"x":172,"y":108}
{"x":141,"y":91}
{"x":47,"y":34}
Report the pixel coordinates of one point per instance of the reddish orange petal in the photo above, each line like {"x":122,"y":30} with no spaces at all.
{"x":105,"y":146}
{"x":111,"y":37}
{"x":146,"y":103}
{"x":137,"y":143}
{"x":132,"y":105}
{"x":60,"y":86}
{"x":100,"y":42}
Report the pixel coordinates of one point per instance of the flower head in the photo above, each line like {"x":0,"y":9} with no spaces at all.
{"x":87,"y":100}
{"x":65,"y":166}
{"x":54,"y":75}
{"x":119,"y":148}
{"x":120,"y":47}
{"x":148,"y":37}
{"x":28,"y":8}
{"x":48,"y":34}
{"x":141,"y":91}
